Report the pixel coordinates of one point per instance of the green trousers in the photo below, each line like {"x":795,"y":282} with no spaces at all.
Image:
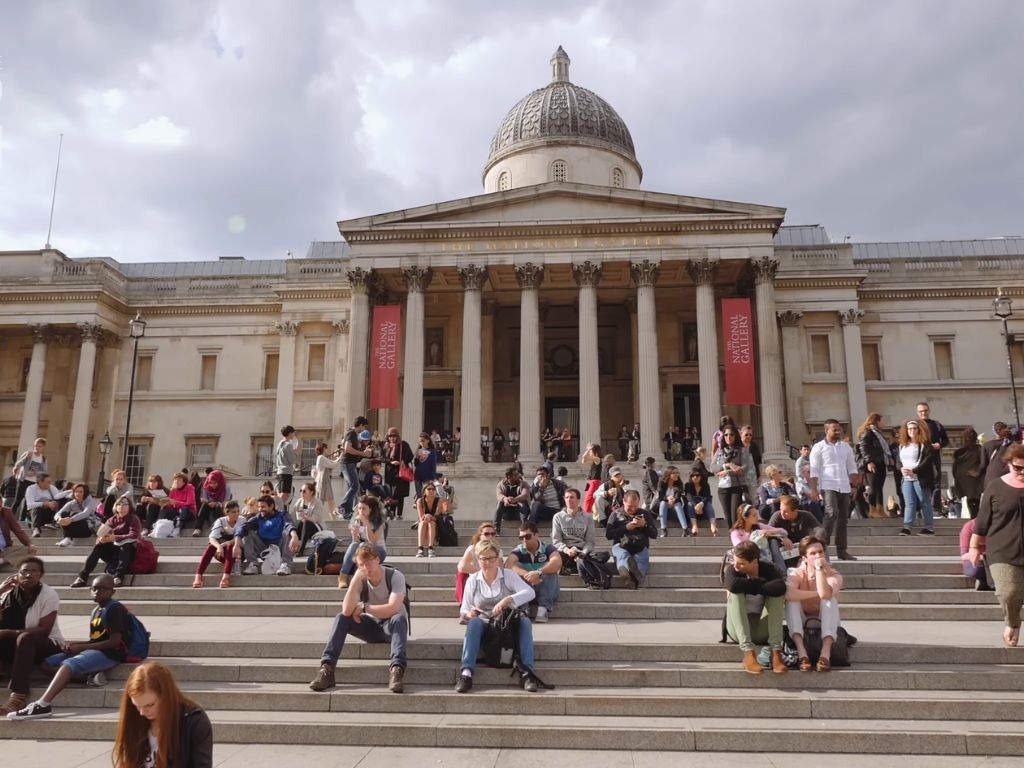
{"x":749,"y":629}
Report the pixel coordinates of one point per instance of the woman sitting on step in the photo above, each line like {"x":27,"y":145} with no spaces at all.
{"x":368,"y":526}
{"x":222,"y":534}
{"x":748,"y":527}
{"x":469,"y":564}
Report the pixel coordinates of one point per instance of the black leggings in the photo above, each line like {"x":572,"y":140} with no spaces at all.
{"x":876,"y":486}
{"x":117,"y":558}
{"x":730,"y":499}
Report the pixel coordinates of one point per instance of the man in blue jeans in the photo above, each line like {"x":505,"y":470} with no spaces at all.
{"x":538,"y":565}
{"x":352,"y":453}
{"x":374,"y":611}
{"x":105,"y":649}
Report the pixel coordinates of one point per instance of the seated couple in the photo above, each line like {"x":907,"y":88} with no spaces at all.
{"x":759,"y":597}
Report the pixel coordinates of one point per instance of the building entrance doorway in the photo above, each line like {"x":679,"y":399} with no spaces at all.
{"x":438,"y":411}
{"x":559,"y":413}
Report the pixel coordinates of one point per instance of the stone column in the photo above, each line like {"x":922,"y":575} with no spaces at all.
{"x":703,"y":272}
{"x":530,"y":276}
{"x":489,"y":310}
{"x":358,"y":342}
{"x":587,"y":276}
{"x":645,"y":275}
{"x":285,"y":374}
{"x":78,"y":435}
{"x":34,"y":390}
{"x":416,"y":281}
{"x":340,"y":328}
{"x":768,"y":358}
{"x":855,"y":390}
{"x":792,"y":363}
{"x":473,"y":279}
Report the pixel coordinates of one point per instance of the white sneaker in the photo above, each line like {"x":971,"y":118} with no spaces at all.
{"x":175,"y":533}
{"x":430,"y":552}
{"x":542,"y":615}
{"x":65,"y":542}
{"x":96,"y":681}
{"x":251,"y":570}
{"x":284,"y":569}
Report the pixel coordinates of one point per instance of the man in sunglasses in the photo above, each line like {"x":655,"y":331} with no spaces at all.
{"x":538,"y":565}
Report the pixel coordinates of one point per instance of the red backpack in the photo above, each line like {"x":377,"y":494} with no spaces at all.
{"x":146,"y":557}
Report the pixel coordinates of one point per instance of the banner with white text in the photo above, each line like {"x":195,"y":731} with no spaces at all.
{"x":738,"y":332}
{"x":385,"y":332}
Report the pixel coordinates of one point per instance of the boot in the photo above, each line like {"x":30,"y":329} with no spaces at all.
{"x":324,"y":678}
{"x":750,"y":663}
{"x":14,"y":702}
{"x":396,"y":679}
{"x":778,"y":665}
{"x":877,"y":511}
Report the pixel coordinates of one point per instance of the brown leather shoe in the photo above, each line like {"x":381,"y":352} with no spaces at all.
{"x":15,"y":702}
{"x":324,"y":678}
{"x":396,"y":680}
{"x":751,"y":664}
{"x":778,"y":665}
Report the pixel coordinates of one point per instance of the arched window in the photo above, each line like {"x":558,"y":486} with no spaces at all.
{"x":616,"y":177}
{"x":559,"y":171}
{"x":504,"y":181}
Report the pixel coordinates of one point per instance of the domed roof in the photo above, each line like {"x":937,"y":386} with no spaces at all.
{"x":561,"y":113}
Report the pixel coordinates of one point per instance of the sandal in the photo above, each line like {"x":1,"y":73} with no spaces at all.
{"x":694,"y":531}
{"x":225,"y":581}
{"x":805,"y":664}
{"x":824,"y":665}
{"x":197,"y":582}
{"x":714,"y":530}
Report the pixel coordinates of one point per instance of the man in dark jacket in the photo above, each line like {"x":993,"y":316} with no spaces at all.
{"x":939,"y":440}
{"x":756,"y":606}
{"x":993,"y":459}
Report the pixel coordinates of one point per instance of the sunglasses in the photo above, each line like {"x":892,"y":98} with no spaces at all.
{"x":487,"y":533}
{"x":526,"y":537}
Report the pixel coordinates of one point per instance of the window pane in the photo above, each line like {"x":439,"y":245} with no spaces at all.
{"x":144,"y":373}
{"x":943,"y":351}
{"x":264,"y":459}
{"x":135,"y":468}
{"x":200,"y":454}
{"x":315,"y":366}
{"x":270,"y":363}
{"x":821,"y":361}
{"x":209,"y":372}
{"x":308,"y":456}
{"x":872,"y":365}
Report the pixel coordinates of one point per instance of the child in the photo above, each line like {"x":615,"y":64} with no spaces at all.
{"x":373,"y":481}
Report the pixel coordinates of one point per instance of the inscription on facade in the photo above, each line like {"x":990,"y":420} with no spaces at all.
{"x":555,"y":244}
{"x":386,"y":347}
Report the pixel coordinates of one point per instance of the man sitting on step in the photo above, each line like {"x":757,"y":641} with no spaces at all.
{"x":813,"y":590}
{"x":537,"y":564}
{"x":374,"y":611}
{"x":572,"y":531}
{"x":755,"y":606}
{"x":513,"y":498}
{"x":271,"y":526}
{"x":797,"y":523}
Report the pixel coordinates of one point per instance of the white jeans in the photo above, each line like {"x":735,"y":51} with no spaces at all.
{"x":828,"y":613}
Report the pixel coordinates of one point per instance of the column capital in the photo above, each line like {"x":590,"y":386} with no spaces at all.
{"x":764,"y":268}
{"x":529,"y":275}
{"x":360,"y":279}
{"x":851,"y":316}
{"x":287,"y":327}
{"x":587,"y":274}
{"x":417,"y":278}
{"x":91,"y":332}
{"x":702,"y":271}
{"x":340,"y":326}
{"x":472,"y":277}
{"x":789,"y":317}
{"x":40,"y":333}
{"x":645,"y":272}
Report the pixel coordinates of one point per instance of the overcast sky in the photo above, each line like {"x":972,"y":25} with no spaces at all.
{"x":194,"y":130}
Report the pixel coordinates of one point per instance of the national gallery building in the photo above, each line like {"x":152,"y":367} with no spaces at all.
{"x":563,"y":295}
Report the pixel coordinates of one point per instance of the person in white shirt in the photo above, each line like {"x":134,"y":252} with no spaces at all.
{"x":42,"y":502}
{"x":23,"y":647}
{"x":833,"y":475}
{"x":77,"y":518}
{"x":29,"y":466}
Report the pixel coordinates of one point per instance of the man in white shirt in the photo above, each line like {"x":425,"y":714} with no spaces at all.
{"x":833,"y":475}
{"x":42,"y":503}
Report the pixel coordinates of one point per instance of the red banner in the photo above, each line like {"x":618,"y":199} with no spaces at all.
{"x":385,"y":331}
{"x":738,"y":332}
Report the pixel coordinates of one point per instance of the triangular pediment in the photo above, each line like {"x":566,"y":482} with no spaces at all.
{"x":561,"y":203}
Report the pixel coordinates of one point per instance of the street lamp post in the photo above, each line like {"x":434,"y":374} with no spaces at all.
{"x":105,"y":445}
{"x":1004,"y":311}
{"x":136,"y":330}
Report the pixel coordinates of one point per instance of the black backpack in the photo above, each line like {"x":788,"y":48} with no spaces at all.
{"x":447,"y":536}
{"x":324,"y":555}
{"x":388,"y":573}
{"x":812,"y":642}
{"x":594,"y":574}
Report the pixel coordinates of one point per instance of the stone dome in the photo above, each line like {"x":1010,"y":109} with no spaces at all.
{"x":561,"y":113}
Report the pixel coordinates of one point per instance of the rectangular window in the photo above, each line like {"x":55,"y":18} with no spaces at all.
{"x":821,"y":353}
{"x":872,"y":361}
{"x":200,"y":453}
{"x":264,"y":460}
{"x":942,"y":351}
{"x":135,"y":468}
{"x":1017,"y":356}
{"x":208,"y":372}
{"x":316,"y":362}
{"x":270,"y":364}
{"x":307,"y":457}
{"x":144,"y":373}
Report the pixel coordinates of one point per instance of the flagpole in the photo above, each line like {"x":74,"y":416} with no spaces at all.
{"x":53,"y":200}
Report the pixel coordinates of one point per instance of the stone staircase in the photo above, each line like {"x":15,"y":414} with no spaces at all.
{"x":634,"y":670}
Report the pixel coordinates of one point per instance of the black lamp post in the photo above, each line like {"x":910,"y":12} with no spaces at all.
{"x":105,"y":445}
{"x":136,"y":330}
{"x":1004,"y":311}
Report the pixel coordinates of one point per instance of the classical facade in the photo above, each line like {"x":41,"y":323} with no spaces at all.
{"x":563,"y":295}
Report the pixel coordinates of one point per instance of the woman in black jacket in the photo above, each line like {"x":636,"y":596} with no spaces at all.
{"x":397,"y":454}
{"x":159,"y":725}
{"x":874,"y":451}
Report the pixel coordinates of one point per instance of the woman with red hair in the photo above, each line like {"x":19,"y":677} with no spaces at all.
{"x":160,"y":726}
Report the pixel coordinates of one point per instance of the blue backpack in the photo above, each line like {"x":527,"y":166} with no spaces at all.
{"x":136,"y":646}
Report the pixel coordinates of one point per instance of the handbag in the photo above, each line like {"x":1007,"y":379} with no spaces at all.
{"x":405,"y":473}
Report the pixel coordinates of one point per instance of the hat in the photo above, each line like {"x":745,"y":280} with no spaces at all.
{"x":365,"y":435}
{"x":614,"y":471}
